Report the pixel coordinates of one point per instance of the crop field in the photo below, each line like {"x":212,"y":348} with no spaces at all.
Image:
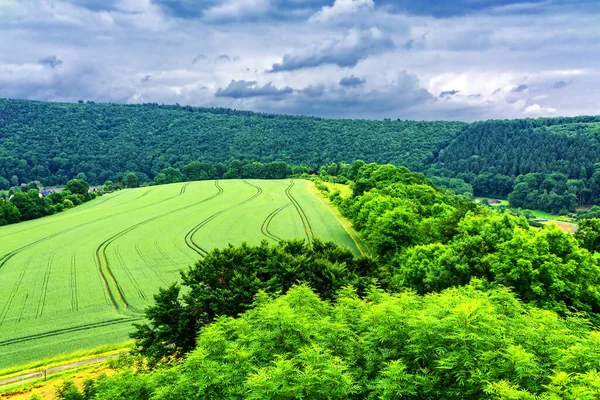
{"x":79,"y":279}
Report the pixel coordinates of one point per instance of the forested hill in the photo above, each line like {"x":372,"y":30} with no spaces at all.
{"x":516,"y":147}
{"x":547,"y":163}
{"x":52,"y":142}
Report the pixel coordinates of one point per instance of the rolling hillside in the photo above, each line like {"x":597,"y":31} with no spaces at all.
{"x":52,"y":142}
{"x":81,"y":278}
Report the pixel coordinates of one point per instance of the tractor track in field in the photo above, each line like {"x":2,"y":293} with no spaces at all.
{"x":71,"y":217}
{"x":125,"y":268}
{"x":189,"y":236}
{"x":23,"y":307}
{"x":308,"y":231}
{"x":264,"y":228}
{"x":42,"y":301}
{"x":144,"y":194}
{"x":73,"y":284}
{"x":100,"y":253}
{"x":162,"y":253}
{"x":149,"y":263}
{"x":6,"y":257}
{"x":63,"y":331}
{"x":14,"y":292}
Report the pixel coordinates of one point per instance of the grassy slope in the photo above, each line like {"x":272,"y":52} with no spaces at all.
{"x":59,"y":299}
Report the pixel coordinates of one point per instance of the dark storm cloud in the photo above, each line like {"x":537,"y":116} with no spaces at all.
{"x":313,"y":90}
{"x":247,"y":89}
{"x":165,"y":51}
{"x":449,"y":93}
{"x":401,"y":94}
{"x":351,"y":81}
{"x":50,"y":61}
{"x":345,"y":52}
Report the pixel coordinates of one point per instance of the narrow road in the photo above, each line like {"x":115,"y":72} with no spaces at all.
{"x":49,"y":371}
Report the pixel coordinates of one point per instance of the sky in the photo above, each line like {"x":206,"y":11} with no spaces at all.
{"x":409,"y":59}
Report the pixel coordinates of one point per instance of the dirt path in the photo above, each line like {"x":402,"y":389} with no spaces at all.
{"x":43,"y":373}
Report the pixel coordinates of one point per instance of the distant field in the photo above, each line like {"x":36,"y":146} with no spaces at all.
{"x":345,"y":190}
{"x":80,"y":278}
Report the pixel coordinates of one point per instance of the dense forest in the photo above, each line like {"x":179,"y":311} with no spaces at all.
{"x":455,"y":301}
{"x":53,"y":142}
{"x":551,"y":164}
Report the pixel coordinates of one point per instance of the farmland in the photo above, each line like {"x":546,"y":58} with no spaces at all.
{"x":81,"y":278}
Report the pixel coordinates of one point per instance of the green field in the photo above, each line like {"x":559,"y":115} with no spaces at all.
{"x":80,"y":278}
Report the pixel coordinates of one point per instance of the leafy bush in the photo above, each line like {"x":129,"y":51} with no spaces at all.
{"x":226,"y":281}
{"x":464,"y":343}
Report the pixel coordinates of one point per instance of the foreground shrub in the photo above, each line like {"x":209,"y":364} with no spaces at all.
{"x":464,"y":343}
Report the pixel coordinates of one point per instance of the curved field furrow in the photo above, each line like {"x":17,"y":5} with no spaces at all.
{"x":305,"y":223}
{"x":6,"y":257}
{"x":14,"y":291}
{"x":127,"y":271}
{"x":144,"y":194}
{"x":36,"y":227}
{"x":183,"y":188}
{"x":189,"y":237}
{"x":84,"y":278}
{"x":104,"y":245}
{"x":163,"y":254}
{"x":42,"y":301}
{"x":23,"y":307}
{"x":264,"y":228}
{"x":149,"y":263}
{"x":73,"y":284}
{"x":76,"y":214}
{"x":68,"y":330}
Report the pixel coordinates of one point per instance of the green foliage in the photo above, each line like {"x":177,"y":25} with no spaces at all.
{"x":68,"y":391}
{"x":131,"y":180}
{"x":9,"y":213}
{"x":464,"y":343}
{"x":588,"y":234}
{"x":395,"y":208}
{"x":53,"y":142}
{"x":431,"y":240}
{"x":108,"y":186}
{"x":145,"y":235}
{"x":78,"y":186}
{"x":31,"y":205}
{"x":544,"y":267}
{"x":226,"y":281}
{"x":546,"y":163}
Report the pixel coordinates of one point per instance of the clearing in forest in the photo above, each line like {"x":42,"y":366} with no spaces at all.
{"x":79,"y":279}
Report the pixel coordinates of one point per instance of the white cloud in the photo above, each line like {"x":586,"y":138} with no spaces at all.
{"x":342,"y":10}
{"x":232,"y":10}
{"x":538,"y":111}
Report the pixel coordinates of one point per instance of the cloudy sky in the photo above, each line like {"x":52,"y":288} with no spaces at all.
{"x":409,"y":59}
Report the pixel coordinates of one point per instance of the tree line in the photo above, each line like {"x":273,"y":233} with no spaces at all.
{"x":26,"y":202}
{"x":52,"y":142}
{"x":552,"y":164}
{"x":455,"y":301}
